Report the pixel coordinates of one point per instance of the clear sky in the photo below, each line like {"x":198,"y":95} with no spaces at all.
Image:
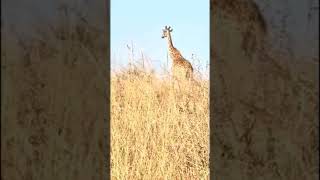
{"x":142,"y":21}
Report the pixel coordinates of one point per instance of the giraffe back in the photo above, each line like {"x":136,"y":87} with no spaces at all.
{"x":182,"y":69}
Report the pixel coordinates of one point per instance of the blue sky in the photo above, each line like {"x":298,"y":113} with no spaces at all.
{"x":142,"y":21}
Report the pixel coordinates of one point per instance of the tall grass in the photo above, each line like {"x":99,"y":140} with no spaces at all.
{"x":158,"y":131}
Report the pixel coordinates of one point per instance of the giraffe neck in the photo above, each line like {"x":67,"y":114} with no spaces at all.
{"x":170,"y":44}
{"x":173,"y":52}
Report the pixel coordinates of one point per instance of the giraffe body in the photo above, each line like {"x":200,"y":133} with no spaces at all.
{"x":181,"y":68}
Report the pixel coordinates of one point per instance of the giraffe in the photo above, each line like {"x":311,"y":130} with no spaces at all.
{"x":181,"y":68}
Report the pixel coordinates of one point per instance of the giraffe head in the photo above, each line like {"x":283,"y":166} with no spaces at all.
{"x":166,"y":31}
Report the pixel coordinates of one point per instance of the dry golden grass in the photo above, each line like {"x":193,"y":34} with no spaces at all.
{"x":158,"y":132}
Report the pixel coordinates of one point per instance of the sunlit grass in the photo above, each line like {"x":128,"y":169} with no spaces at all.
{"x":159,"y":131}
